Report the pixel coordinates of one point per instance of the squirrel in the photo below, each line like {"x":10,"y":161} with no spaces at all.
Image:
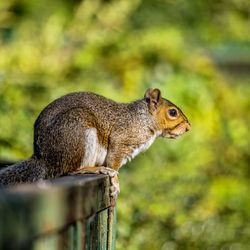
{"x":84,"y":132}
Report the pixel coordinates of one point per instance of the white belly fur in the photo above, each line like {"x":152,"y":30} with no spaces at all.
{"x":95,"y":154}
{"x":141,"y":148}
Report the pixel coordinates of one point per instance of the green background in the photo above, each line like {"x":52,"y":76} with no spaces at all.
{"x":190,"y":193}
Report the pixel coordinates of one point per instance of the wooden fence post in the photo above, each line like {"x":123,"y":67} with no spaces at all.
{"x":71,"y":212}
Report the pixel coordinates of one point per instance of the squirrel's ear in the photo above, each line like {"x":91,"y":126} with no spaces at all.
{"x":153,"y":97}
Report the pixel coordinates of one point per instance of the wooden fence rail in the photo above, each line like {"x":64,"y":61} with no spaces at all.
{"x":71,"y":212}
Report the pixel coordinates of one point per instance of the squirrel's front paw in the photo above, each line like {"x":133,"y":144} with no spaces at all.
{"x":108,"y":171}
{"x":114,"y":189}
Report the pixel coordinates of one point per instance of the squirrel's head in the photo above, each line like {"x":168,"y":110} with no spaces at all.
{"x":170,"y":119}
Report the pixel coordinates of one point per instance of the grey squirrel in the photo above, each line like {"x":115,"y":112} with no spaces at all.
{"x":87,"y":133}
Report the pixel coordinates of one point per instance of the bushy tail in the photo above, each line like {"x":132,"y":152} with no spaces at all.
{"x":26,"y":171}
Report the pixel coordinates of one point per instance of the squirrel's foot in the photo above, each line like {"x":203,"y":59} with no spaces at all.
{"x":113,"y":174}
{"x":96,"y":170}
{"x":108,"y":171}
{"x":114,"y":189}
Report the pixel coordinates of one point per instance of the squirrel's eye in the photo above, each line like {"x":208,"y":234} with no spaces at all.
{"x":172,"y":112}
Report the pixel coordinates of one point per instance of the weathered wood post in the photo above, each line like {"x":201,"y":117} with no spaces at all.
{"x":71,"y":212}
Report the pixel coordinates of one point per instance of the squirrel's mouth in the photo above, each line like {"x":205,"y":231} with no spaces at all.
{"x":170,"y":135}
{"x":176,"y":131}
{"x":173,"y":136}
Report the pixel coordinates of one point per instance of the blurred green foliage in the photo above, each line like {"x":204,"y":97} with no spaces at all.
{"x":192,"y":193}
